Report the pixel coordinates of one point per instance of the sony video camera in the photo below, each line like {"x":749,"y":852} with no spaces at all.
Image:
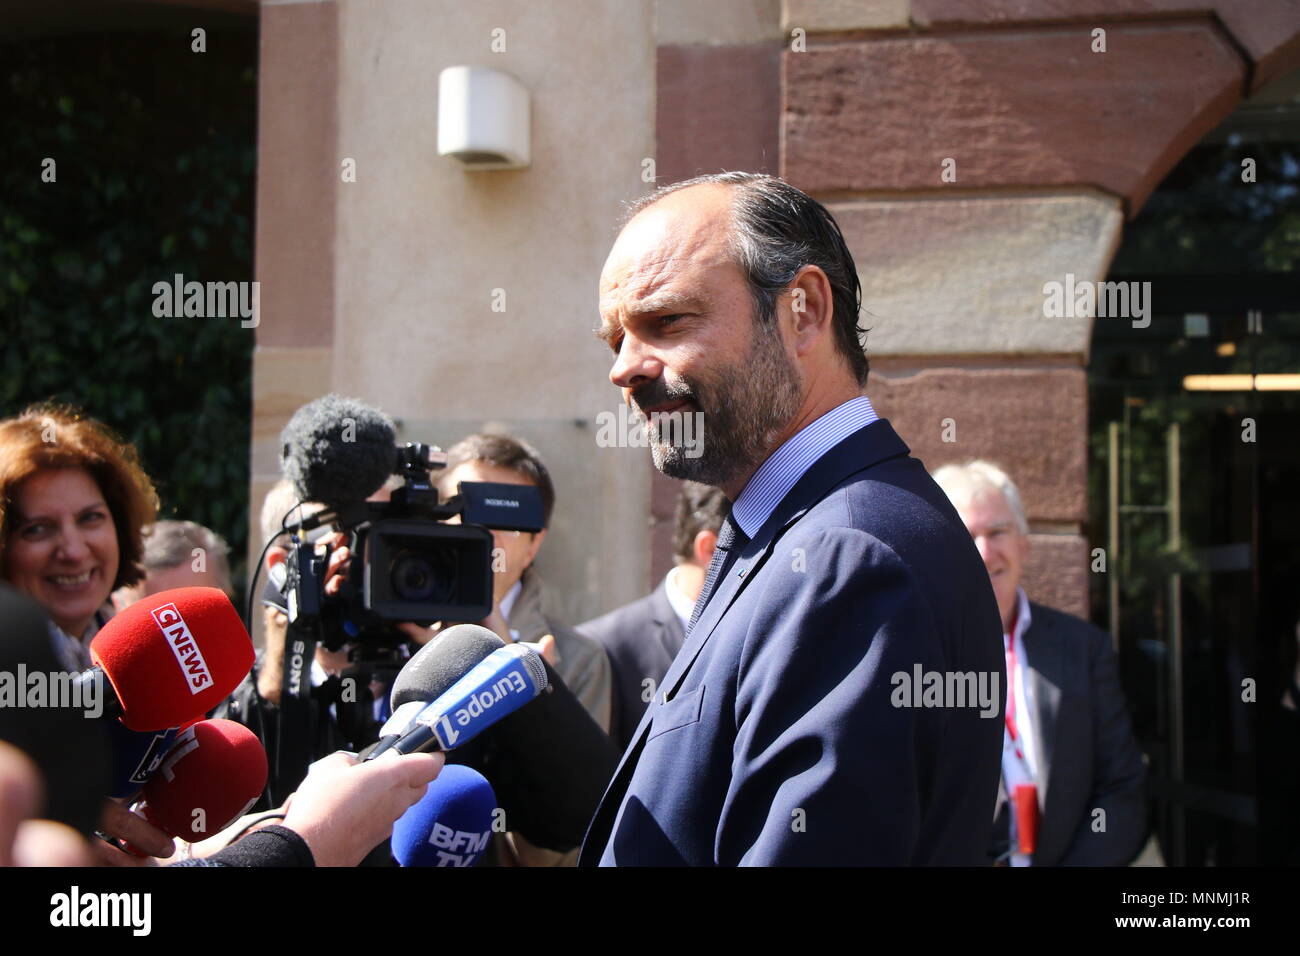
{"x":410,"y":561}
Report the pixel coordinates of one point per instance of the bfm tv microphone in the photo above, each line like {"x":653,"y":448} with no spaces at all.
{"x":429,"y":673}
{"x":171,"y":657}
{"x":215,"y":771}
{"x":451,"y":824}
{"x":496,"y":687}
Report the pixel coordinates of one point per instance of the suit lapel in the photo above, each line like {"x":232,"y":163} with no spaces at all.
{"x":1044,"y":656}
{"x":669,"y":624}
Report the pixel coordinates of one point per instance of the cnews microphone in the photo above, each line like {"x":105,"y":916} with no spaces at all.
{"x":429,"y":673}
{"x":494,"y":688}
{"x":210,"y":777}
{"x":170,"y":657}
{"x":451,"y":824}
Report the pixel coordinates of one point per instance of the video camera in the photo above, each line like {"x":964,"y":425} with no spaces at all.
{"x":409,"y":561}
{"x":413,"y":558}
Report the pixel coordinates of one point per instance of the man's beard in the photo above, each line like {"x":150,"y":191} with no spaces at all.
{"x":744,"y":409}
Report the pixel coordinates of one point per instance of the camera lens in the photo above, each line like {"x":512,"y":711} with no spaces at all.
{"x":416,"y":577}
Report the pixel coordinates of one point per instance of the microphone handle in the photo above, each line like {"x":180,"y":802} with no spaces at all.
{"x":378,"y":747}
{"x":112,"y":707}
{"x":418,"y":740}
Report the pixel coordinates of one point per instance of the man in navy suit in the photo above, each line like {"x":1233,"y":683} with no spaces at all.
{"x":838,"y":698}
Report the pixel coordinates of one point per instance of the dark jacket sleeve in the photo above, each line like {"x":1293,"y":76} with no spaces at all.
{"x":1114,"y":837}
{"x":270,"y":846}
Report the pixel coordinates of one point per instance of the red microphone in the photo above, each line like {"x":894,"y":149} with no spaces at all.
{"x":172,"y":656}
{"x":213,"y":774}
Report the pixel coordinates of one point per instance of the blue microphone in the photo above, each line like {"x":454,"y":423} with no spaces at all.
{"x":136,"y":755}
{"x":494,"y":688}
{"x":451,"y":825}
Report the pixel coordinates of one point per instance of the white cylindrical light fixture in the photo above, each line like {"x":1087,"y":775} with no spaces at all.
{"x":483,"y":118}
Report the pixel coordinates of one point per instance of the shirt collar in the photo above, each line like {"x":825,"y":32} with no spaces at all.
{"x":682,"y":606}
{"x":1022,"y":615}
{"x":508,"y":602}
{"x":785,"y":466}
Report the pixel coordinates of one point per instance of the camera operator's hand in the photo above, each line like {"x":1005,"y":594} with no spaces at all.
{"x":340,"y":556}
{"x":344,"y":809}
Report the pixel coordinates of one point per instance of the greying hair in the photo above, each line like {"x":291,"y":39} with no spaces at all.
{"x":277,"y":504}
{"x":170,"y":544}
{"x":962,"y":482}
{"x":776,"y":231}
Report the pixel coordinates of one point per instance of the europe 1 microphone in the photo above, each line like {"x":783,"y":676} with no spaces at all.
{"x":496,"y":687}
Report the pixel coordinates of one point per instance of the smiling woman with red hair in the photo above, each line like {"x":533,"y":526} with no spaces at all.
{"x":73,"y":500}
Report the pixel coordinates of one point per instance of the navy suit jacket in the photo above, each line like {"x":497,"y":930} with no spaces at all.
{"x":1088,"y":758}
{"x":641,"y":639}
{"x":774,"y":738}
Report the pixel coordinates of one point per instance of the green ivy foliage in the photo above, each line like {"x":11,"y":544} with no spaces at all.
{"x":154,"y":152}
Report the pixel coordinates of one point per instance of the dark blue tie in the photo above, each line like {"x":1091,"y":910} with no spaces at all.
{"x":730,"y":540}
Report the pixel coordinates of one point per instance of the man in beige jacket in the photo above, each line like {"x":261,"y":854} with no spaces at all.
{"x":518,"y":592}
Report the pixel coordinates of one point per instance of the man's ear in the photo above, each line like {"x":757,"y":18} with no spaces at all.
{"x":703,"y":546}
{"x":535,"y":546}
{"x":812,"y":308}
{"x":273,"y":557}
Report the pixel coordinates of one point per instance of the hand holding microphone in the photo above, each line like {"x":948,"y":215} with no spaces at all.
{"x":344,"y":809}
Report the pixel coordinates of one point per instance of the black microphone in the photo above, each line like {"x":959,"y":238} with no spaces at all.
{"x":550,"y":763}
{"x":338,"y":451}
{"x":499,"y":685}
{"x":428,"y":674}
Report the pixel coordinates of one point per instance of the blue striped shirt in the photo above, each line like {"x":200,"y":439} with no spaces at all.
{"x":785,"y":466}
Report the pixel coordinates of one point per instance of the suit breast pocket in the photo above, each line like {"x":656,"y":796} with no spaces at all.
{"x":679,"y":712}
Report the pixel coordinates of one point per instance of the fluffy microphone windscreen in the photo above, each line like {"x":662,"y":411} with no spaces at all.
{"x":212,"y":774}
{"x":450,"y":825}
{"x":173,"y":656}
{"x":442,"y":662}
{"x":337,"y":451}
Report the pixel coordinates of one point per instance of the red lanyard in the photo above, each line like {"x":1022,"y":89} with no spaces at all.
{"x":1011,"y":691}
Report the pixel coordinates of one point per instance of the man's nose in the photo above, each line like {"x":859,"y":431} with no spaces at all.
{"x":985,"y":548}
{"x":634,"y":365}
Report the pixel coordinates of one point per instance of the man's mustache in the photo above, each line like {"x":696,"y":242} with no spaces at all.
{"x":660,"y":393}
